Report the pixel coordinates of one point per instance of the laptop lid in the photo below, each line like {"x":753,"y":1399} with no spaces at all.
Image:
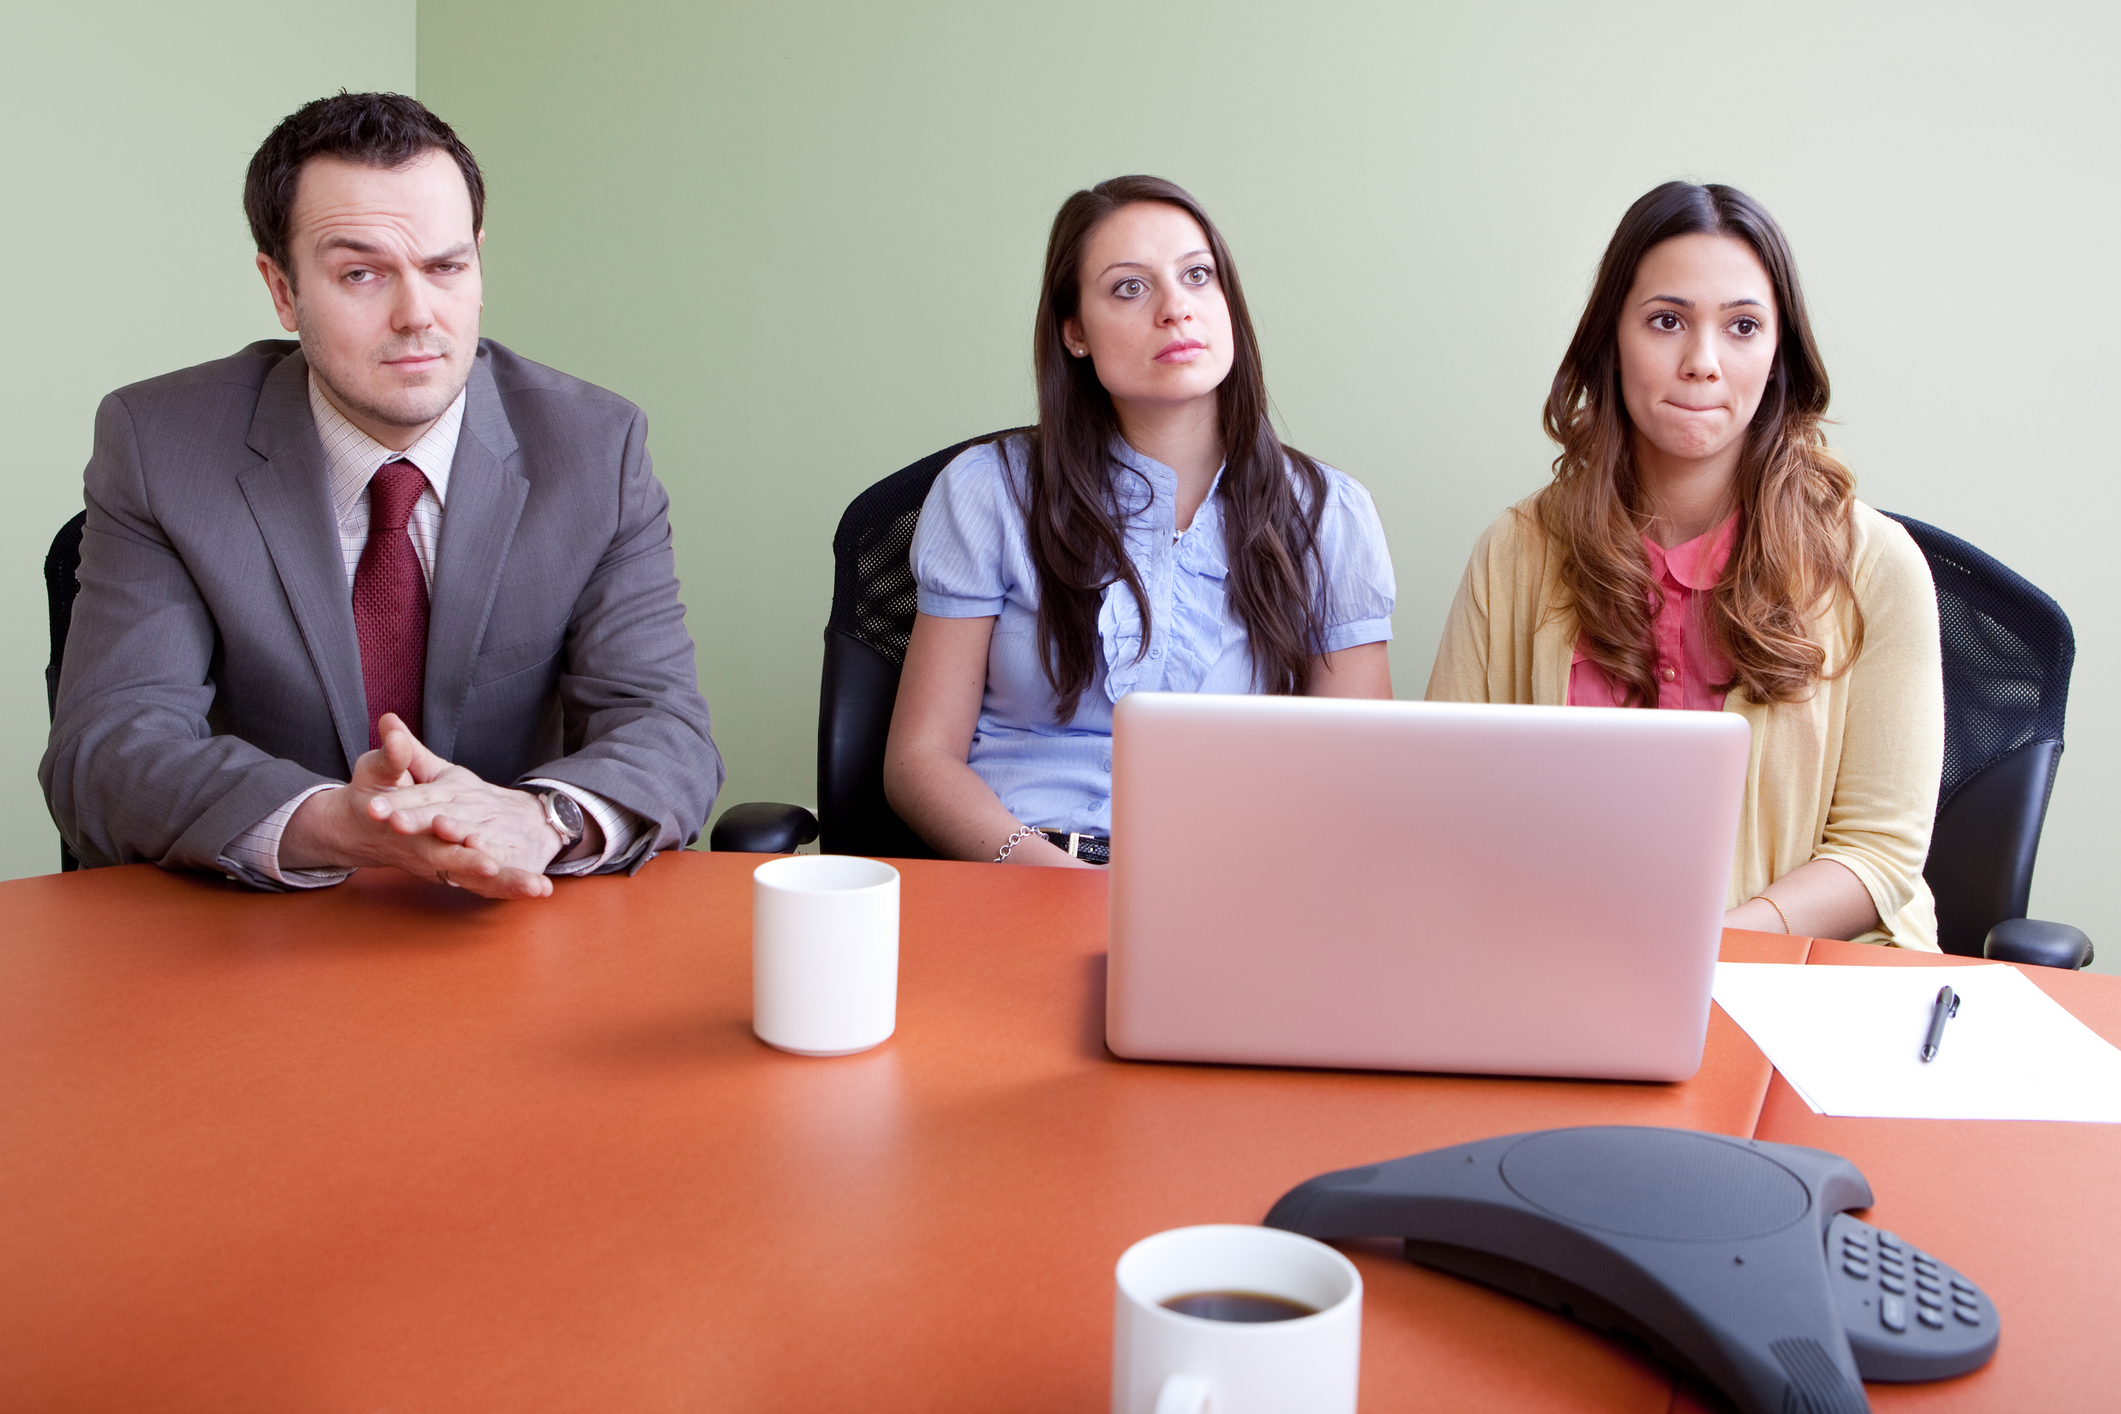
{"x":1419,"y":886}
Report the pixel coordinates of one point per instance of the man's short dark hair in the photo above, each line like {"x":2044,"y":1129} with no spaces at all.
{"x":386,"y":130}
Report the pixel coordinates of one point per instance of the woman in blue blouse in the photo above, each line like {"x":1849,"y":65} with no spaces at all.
{"x":1150,"y":534}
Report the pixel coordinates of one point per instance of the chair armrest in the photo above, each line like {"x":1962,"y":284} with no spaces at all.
{"x":763,"y":827}
{"x":2028,"y":940}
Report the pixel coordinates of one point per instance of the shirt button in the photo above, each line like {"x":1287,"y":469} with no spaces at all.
{"x":1670,"y":675}
{"x":1156,"y":652}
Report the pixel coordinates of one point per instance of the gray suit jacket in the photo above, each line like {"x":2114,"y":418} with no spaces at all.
{"x":212,"y":671}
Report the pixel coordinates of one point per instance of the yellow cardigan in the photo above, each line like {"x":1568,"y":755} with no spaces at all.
{"x":1850,"y":774}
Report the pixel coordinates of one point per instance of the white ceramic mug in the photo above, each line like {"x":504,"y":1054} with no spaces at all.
{"x":824,"y":953}
{"x":1167,"y":1363}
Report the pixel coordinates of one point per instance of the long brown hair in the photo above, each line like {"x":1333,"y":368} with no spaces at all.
{"x":1074,"y":520}
{"x":1794,"y":494}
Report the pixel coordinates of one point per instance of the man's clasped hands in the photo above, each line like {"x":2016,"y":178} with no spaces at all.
{"x":408,"y":807}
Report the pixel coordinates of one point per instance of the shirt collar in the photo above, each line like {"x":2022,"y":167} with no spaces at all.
{"x":352,"y":457}
{"x":1696,"y":563}
{"x":1162,"y":479}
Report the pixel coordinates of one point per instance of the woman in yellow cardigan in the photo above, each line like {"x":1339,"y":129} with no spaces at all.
{"x":1700,"y":547}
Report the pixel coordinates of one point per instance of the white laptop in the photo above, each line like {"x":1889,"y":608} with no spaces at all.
{"x":1419,"y":886}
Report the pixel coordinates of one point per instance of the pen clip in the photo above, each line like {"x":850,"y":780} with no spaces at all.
{"x":1954,"y":1009}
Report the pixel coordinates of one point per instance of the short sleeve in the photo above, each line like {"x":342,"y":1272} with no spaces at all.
{"x":1359,"y":586}
{"x":968,"y":525}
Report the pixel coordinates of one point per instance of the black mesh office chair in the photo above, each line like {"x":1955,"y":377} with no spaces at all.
{"x":2008,"y":650}
{"x":873,"y":602}
{"x":61,"y":565}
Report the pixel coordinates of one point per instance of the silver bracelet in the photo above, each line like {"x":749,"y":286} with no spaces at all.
{"x":1025,"y":833}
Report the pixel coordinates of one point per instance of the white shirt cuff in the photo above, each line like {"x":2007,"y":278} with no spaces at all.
{"x":622,"y":828}
{"x":253,"y":857}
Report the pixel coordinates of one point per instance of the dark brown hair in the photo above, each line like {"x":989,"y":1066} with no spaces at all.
{"x":1794,"y":494}
{"x":385,"y":130}
{"x":1272,"y":495}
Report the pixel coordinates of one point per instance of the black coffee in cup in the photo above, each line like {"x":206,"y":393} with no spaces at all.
{"x":1247,"y":1307}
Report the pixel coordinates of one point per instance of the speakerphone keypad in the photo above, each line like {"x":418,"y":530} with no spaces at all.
{"x":1902,"y":1308}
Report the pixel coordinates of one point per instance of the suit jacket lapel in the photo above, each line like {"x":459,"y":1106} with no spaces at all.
{"x":291,"y":503}
{"x":486,"y":496}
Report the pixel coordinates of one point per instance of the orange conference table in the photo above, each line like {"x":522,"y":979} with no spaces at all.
{"x":390,"y":1147}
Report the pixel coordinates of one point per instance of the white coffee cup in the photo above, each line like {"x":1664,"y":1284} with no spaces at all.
{"x":824,"y":953}
{"x":1164,"y":1362}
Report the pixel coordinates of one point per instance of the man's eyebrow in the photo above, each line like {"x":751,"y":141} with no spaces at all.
{"x":1138,"y":265}
{"x":352,"y":243}
{"x":361,"y":247}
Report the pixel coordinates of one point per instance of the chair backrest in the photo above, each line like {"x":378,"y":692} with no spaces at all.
{"x":874,"y":599}
{"x":62,"y":565}
{"x":2008,"y":651}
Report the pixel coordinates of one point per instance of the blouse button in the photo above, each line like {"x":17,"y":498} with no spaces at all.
{"x":1671,"y":675}
{"x":1156,"y":652}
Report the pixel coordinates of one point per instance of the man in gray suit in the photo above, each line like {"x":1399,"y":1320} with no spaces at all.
{"x":390,"y":594}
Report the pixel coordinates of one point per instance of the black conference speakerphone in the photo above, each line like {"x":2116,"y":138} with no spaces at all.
{"x":1735,"y":1258}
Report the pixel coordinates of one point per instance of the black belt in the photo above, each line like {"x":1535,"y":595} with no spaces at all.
{"x":1090,"y":849}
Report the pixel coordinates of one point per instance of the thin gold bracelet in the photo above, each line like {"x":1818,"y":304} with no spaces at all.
{"x":1763,"y":898}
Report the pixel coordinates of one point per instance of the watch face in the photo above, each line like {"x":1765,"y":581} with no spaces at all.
{"x":567,"y":812}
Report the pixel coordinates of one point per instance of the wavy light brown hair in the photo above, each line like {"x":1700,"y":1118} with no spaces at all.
{"x":1791,"y":557}
{"x":1272,"y":495}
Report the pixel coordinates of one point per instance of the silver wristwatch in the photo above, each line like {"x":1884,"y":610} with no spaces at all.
{"x":564,"y":814}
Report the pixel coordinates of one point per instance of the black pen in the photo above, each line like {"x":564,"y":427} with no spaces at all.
{"x":1947,"y":1008}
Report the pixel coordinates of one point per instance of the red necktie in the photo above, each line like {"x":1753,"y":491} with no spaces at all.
{"x":390,"y":601}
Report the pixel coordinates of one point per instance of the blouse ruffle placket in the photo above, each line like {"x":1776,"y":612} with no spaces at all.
{"x":1189,"y":630}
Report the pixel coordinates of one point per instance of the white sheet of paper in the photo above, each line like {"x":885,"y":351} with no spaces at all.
{"x":1849,"y":1041}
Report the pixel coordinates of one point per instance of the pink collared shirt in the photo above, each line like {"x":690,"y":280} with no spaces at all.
{"x":1688,"y":665}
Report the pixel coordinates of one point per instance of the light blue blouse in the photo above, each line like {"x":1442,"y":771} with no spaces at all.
{"x":972,"y":560}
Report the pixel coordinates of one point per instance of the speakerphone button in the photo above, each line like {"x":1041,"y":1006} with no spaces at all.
{"x":1892,"y":1313}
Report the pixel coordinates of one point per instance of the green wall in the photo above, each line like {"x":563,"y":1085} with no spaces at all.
{"x":129,"y":125}
{"x":805,"y":238}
